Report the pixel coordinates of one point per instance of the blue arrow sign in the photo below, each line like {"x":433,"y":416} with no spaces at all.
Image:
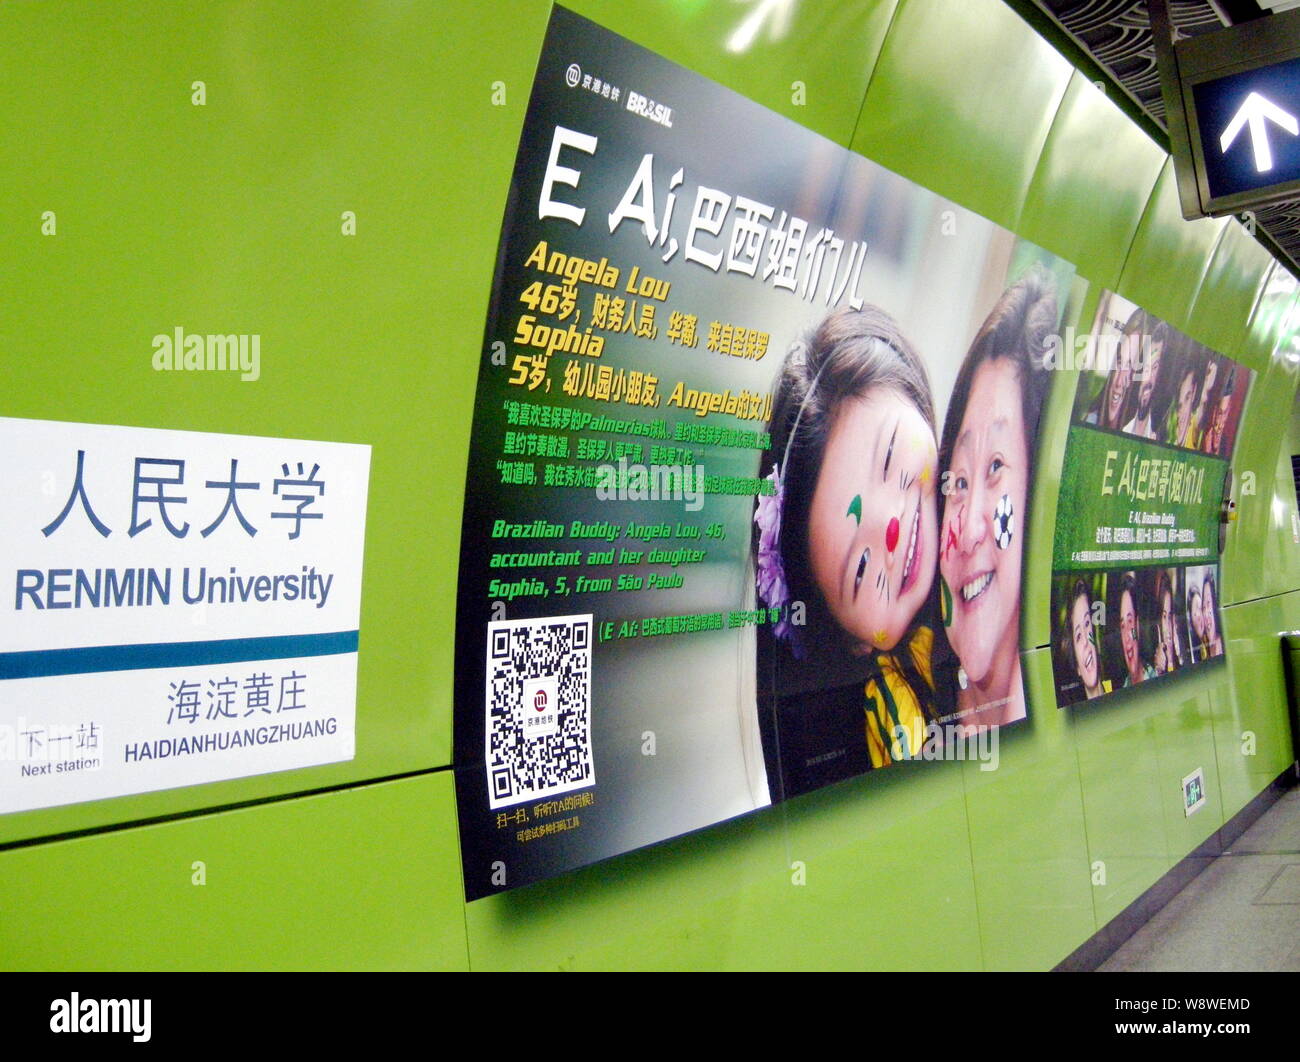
{"x":1249,"y":129}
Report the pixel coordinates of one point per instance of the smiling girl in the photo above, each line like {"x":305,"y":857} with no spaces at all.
{"x":848,"y":539}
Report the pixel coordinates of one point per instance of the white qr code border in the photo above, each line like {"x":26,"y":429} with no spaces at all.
{"x":506,"y":749}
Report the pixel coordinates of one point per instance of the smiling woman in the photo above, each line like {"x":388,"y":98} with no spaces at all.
{"x":987,"y":461}
{"x":1083,"y":641}
{"x":1081,"y":667}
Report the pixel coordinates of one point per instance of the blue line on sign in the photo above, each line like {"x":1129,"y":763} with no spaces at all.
{"x":92,"y":659}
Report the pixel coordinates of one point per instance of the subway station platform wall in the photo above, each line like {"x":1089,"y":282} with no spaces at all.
{"x":225,"y":218}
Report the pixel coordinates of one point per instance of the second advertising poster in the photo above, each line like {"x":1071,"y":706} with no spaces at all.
{"x":1136,"y":576}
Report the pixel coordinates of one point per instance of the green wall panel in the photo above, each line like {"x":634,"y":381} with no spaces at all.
{"x":894,"y":885}
{"x":1169,"y":257}
{"x":477,"y":76}
{"x":364,"y":878}
{"x":1252,"y":732}
{"x":1274,"y":320}
{"x":1233,"y":284}
{"x":227,"y":217}
{"x":1119,"y":767}
{"x":809,"y":62}
{"x":1261,"y":555}
{"x":687,"y":904}
{"x":942,"y":112}
{"x":1028,"y":839}
{"x":1092,"y":183}
{"x":886,"y":884}
{"x":1184,"y":740}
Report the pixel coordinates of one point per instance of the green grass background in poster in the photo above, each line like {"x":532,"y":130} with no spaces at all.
{"x":1095,"y":494}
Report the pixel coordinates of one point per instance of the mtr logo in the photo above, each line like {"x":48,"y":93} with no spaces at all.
{"x":541,"y":707}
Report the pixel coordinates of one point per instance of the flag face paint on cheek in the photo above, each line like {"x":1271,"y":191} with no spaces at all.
{"x":954,"y":533}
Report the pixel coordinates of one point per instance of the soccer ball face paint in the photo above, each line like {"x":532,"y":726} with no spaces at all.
{"x":872,"y":531}
{"x":1004,"y":522}
{"x":987,"y":484}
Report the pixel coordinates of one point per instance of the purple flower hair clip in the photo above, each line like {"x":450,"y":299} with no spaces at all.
{"x":772,"y":586}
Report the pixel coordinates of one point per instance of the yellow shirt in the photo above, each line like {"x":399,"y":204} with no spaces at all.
{"x":896,"y":722}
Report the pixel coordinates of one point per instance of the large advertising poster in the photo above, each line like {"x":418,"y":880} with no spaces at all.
{"x":749,"y":475}
{"x":1135,"y":587}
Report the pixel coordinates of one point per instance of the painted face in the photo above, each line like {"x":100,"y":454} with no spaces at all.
{"x":1085,"y":651}
{"x":1118,"y":384}
{"x":1186,"y":396}
{"x":872,"y":525}
{"x":1208,"y":623}
{"x":984,"y":515}
{"x":1150,"y":378}
{"x":1128,"y":636}
{"x":1198,"y":618}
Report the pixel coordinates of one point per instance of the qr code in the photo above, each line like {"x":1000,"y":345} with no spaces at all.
{"x":538,"y":705}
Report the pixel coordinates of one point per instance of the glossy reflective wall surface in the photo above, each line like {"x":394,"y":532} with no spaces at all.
{"x":409,"y":115}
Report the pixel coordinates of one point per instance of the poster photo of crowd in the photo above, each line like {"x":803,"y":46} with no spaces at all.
{"x":1135,"y":588}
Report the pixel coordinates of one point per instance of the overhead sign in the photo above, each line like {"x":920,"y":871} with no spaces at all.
{"x":1249,"y":141}
{"x":1233,"y":105}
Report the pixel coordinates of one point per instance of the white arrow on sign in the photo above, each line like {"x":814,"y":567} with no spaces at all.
{"x":1255,"y":111}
